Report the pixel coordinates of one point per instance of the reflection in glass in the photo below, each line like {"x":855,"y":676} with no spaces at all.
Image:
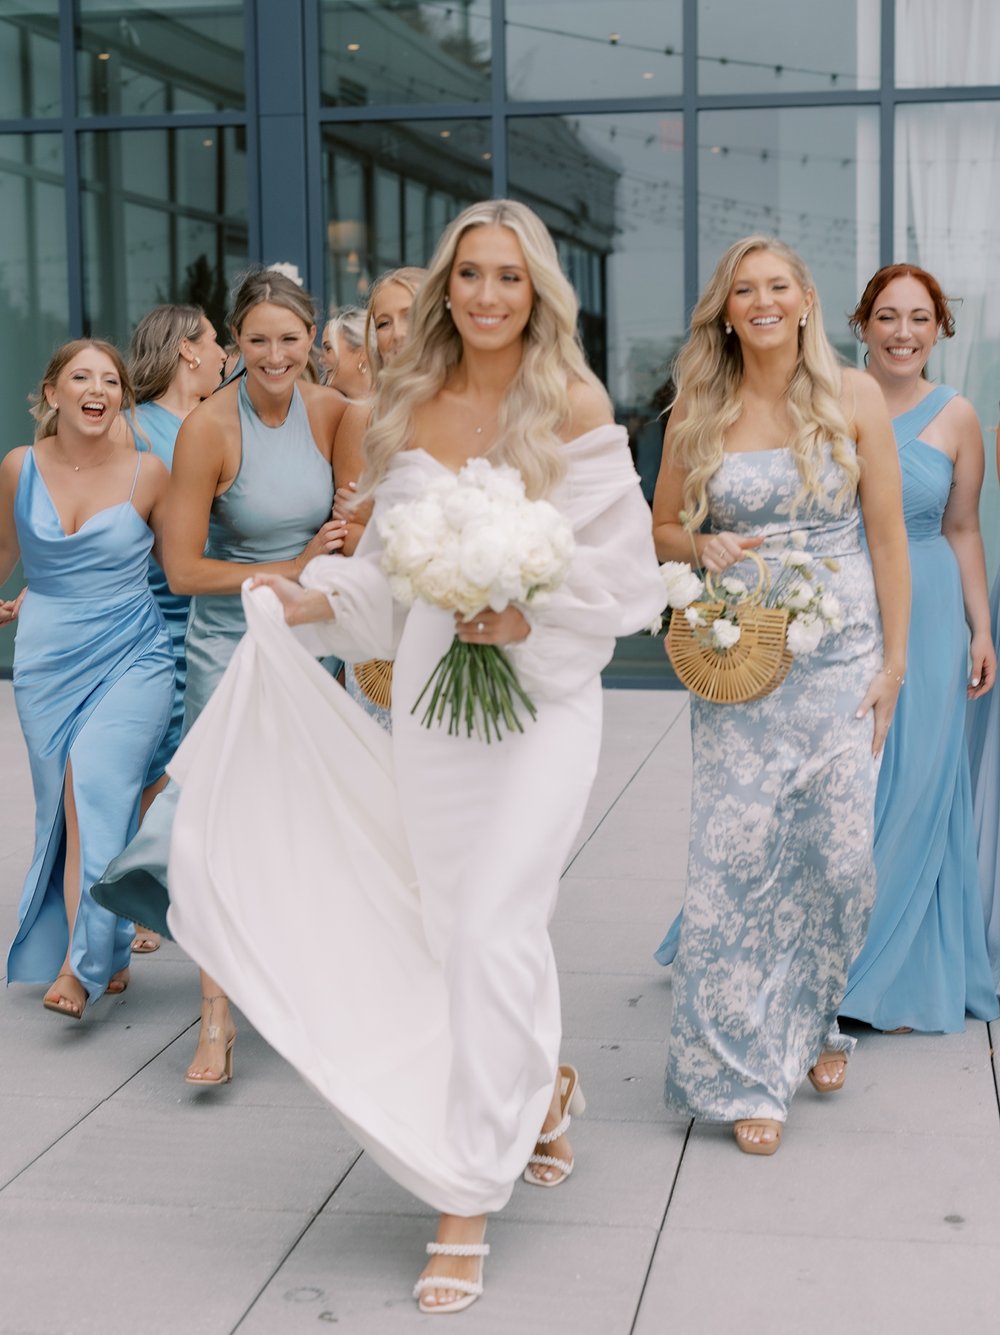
{"x":374,"y":52}
{"x":956,"y":44}
{"x":34,"y":314}
{"x":390,"y":190}
{"x":174,"y":56}
{"x":588,"y":48}
{"x":164,"y":219}
{"x":947,"y":220}
{"x":29,"y":59}
{"x":808,"y":175}
{"x":610,"y":190}
{"x":787,"y":46}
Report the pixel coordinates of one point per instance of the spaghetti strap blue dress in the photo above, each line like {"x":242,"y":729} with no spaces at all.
{"x":93,"y":681}
{"x":924,"y":964}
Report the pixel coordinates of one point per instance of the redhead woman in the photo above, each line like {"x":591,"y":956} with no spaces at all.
{"x":769,"y":437}
{"x":924,"y":964}
{"x":251,"y":491}
{"x":93,"y":668}
{"x":423,"y":1001}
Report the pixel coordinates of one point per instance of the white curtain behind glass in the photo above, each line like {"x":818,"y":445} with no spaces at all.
{"x":947,"y":205}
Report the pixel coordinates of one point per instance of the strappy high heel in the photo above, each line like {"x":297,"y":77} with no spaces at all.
{"x":213,"y":1033}
{"x":571,"y":1104}
{"x":72,"y":1011}
{"x":828,"y":1086}
{"x":470,"y":1289}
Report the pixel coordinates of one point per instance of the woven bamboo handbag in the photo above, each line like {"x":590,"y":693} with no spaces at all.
{"x":374,"y":678}
{"x":751,"y":668}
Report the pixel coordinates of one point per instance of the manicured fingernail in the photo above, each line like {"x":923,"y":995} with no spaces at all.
{"x":859,"y":714}
{"x":975,"y":681}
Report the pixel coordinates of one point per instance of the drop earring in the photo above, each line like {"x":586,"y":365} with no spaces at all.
{"x":728,"y":328}
{"x":447,"y":303}
{"x":803,"y":321}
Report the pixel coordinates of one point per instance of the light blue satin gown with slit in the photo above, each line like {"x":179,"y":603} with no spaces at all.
{"x":924,"y":964}
{"x":93,"y":682}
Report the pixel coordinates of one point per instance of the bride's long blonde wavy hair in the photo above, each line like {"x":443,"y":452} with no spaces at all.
{"x":536,"y":403}
{"x":708,"y":374}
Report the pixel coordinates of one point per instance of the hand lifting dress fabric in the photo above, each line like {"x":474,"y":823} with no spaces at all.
{"x":925,"y":962}
{"x":160,"y":428}
{"x":281,"y":495}
{"x":423,"y":1000}
{"x":780,"y":874}
{"x":93,"y":679}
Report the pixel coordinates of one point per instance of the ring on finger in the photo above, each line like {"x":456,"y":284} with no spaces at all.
{"x":480,"y":627}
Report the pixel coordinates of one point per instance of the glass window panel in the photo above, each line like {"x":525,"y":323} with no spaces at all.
{"x":787,"y":46}
{"x":947,"y":220}
{"x":610,"y":190}
{"x":373,"y":171}
{"x":179,"y":56}
{"x":588,"y":48}
{"x":29,"y":59}
{"x":954,"y":44}
{"x":374,"y":52}
{"x":164,"y":219}
{"x":34,"y":305}
{"x":810,"y":176}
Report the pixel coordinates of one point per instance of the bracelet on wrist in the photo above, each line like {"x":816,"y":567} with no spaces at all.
{"x":898,"y":677}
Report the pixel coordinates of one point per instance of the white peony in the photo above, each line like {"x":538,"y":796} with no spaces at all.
{"x":681,"y":584}
{"x":725,"y":633}
{"x":804,"y":634}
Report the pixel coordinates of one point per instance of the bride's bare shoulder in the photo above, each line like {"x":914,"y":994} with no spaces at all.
{"x":589,"y":408}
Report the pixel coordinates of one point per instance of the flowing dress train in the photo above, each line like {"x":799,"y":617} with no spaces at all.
{"x":281,"y":495}
{"x":924,"y":963}
{"x":423,"y":1000}
{"x":780,"y":874}
{"x":93,"y":679}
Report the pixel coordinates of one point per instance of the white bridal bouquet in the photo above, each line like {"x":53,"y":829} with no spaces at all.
{"x":473,"y":540}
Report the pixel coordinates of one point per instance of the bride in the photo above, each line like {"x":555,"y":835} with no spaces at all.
{"x":423,"y":1002}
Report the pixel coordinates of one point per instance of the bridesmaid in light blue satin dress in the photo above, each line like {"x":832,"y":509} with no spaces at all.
{"x":924,"y":964}
{"x":93,"y":671}
{"x":251,"y":491}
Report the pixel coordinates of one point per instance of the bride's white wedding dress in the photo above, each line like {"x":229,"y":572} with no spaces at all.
{"x":378,"y":905}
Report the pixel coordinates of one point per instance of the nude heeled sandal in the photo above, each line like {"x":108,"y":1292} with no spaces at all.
{"x":749,"y":1146}
{"x":828,"y":1086}
{"x":470,"y":1289}
{"x":572,"y":1104}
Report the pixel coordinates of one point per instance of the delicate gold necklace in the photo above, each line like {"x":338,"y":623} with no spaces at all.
{"x":77,"y":467}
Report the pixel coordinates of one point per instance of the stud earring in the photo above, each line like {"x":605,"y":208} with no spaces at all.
{"x":728,"y":328}
{"x":194,"y":363}
{"x":803,"y":321}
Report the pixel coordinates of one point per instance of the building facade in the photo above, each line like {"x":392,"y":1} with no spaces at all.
{"x":148,"y":151}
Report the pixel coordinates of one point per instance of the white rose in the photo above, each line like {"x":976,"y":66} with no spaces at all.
{"x":482,"y":550}
{"x":804,"y":634}
{"x":725,"y":633}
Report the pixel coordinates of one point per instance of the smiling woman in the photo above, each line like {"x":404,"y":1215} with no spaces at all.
{"x":93,"y":669}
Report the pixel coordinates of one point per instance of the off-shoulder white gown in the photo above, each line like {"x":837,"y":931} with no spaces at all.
{"x":378,"y":906}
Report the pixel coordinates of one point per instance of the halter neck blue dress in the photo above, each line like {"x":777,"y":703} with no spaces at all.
{"x":281,"y":495}
{"x":93,"y":679}
{"x":924,"y":964}
{"x":160,"y":427}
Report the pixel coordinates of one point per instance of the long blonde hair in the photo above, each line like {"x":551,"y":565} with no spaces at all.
{"x":709,"y":375}
{"x":155,"y":347}
{"x":410,"y":277}
{"x":46,"y":417}
{"x":535,"y":405}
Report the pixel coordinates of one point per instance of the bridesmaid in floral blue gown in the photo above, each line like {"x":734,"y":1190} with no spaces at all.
{"x":768,"y":436}
{"x":93,"y":671}
{"x":924,"y":964}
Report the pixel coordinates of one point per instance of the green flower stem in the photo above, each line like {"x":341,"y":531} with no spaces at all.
{"x":474,"y":684}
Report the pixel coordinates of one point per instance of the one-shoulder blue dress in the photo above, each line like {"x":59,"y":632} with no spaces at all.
{"x":281,"y":496}
{"x":924,"y":964}
{"x":93,"y":680}
{"x":160,"y":427}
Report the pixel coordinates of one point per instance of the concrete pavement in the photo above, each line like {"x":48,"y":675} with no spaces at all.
{"x":132,"y":1202}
